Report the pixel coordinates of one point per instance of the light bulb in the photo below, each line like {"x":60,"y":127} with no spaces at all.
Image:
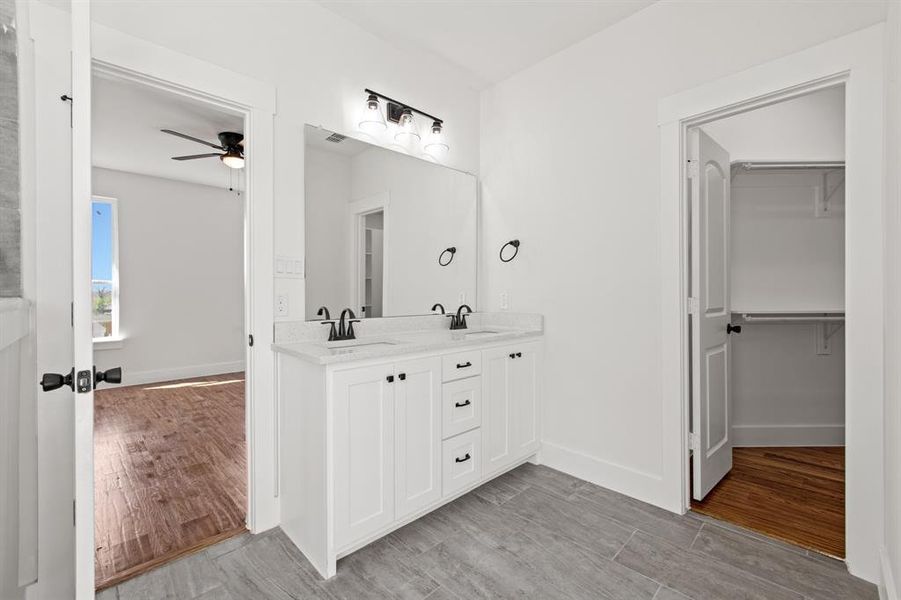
{"x":435,"y":144}
{"x":407,"y":125}
{"x":233,"y":160}
{"x":372,"y":121}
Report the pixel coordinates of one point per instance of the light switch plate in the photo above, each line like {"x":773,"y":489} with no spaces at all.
{"x":289,"y":267}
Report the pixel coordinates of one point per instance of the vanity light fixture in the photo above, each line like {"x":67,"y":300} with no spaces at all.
{"x":435,"y":143}
{"x":408,"y":132}
{"x":373,"y":121}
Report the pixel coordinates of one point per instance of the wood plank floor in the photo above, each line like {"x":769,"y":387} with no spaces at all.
{"x":792,"y":494}
{"x":170,"y":471}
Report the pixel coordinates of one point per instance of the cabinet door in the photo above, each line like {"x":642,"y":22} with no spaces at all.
{"x":524,"y":396}
{"x":417,"y":419}
{"x":364,"y":452}
{"x":496,"y":415}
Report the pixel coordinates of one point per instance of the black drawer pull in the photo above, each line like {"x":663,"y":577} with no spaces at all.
{"x":390,"y":378}
{"x":519,"y":355}
{"x":464,"y":365}
{"x":464,"y":459}
{"x":513,"y":355}
{"x":402,"y":376}
{"x":462,"y":404}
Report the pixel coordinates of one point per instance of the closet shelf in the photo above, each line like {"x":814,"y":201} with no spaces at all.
{"x":792,"y":317}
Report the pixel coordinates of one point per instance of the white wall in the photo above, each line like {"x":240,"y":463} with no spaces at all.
{"x":327,"y":233}
{"x":570,"y":166}
{"x":181,"y":278}
{"x":786,"y":259}
{"x":811,"y":127}
{"x":891,"y":557}
{"x":320,"y":64}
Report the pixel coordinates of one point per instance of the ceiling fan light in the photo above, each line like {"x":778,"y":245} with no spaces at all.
{"x":233,"y":160}
{"x":408,"y":132}
{"x":373,"y":121}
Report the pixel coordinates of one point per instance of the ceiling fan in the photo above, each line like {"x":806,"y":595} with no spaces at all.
{"x":230,"y":143}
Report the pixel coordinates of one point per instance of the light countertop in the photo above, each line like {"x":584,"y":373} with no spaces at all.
{"x":399,"y":343}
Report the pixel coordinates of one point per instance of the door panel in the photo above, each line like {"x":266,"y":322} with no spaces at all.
{"x":524,"y":400}
{"x":711,"y":357}
{"x":364,"y":452}
{"x":417,"y":412}
{"x":496,"y":442}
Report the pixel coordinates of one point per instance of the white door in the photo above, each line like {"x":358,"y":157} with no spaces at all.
{"x":524,"y":399}
{"x":417,"y":434}
{"x":497,"y":448}
{"x":711,"y":351}
{"x":364,"y":451}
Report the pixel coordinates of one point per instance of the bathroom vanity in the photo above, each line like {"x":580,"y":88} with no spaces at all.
{"x":378,"y":431}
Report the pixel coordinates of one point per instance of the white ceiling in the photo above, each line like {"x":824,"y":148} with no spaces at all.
{"x":317,"y":137}
{"x":127,"y":118}
{"x":489,"y":39}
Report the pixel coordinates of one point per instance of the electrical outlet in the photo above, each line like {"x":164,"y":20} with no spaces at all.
{"x":281,"y":305}
{"x":505,"y":300}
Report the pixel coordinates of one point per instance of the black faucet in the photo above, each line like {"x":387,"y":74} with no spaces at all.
{"x":458,"y":321}
{"x":332,"y":334}
{"x":346,"y":330}
{"x":439,"y":305}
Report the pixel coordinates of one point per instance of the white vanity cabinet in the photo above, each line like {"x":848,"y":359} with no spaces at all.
{"x":366,"y":446}
{"x":510,"y":380}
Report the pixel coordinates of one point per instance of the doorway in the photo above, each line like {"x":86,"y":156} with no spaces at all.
{"x":766,"y":327}
{"x":168,"y":308}
{"x":372,"y":260}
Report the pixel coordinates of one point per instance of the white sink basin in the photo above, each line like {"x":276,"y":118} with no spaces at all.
{"x":346,"y":347}
{"x":476,"y":334}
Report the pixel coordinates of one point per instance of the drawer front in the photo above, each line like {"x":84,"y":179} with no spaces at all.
{"x":462,"y":461}
{"x":462,"y":364}
{"x":461,"y":406}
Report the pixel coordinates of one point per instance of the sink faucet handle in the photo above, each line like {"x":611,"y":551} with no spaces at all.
{"x":323,"y":311}
{"x":332,"y":334}
{"x":350,"y":329}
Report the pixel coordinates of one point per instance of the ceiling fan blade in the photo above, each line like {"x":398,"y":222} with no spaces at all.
{"x":193,"y":139}
{"x":193,"y":156}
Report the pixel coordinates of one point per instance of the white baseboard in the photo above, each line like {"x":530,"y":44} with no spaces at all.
{"x":788,"y":435}
{"x":887,"y":589}
{"x":625,"y":480}
{"x":158,"y":375}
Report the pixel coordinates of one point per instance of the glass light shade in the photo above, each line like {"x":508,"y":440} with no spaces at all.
{"x":372,"y":121}
{"x":407,"y":132}
{"x":233,"y":160}
{"x":435,"y":144}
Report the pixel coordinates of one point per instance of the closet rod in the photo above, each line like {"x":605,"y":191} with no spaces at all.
{"x":755,"y":165}
{"x":799,"y":318}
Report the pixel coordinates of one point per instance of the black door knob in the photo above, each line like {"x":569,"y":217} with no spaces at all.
{"x":730,"y":328}
{"x":54,"y":381}
{"x":109,"y":376}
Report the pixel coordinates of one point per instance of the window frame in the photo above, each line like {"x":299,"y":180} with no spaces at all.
{"x":114,"y":340}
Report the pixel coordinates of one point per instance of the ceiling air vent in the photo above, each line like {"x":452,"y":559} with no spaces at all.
{"x":336,"y":138}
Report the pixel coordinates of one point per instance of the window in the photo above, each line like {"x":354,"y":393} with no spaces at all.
{"x":105,"y":269}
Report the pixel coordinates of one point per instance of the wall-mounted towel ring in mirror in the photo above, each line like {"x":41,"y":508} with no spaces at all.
{"x":515,"y":244}
{"x":450,"y":252}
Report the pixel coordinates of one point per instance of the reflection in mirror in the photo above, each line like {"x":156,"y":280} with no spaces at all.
{"x":376,"y":223}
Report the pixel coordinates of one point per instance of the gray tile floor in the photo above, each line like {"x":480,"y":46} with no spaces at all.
{"x":531,"y":533}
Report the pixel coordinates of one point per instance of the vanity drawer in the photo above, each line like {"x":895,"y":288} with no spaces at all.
{"x":461,"y":364}
{"x":462,"y":461}
{"x":461,"y":406}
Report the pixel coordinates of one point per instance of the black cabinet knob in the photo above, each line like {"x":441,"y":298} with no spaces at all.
{"x":513,"y":355}
{"x":402,"y":376}
{"x":390,"y":378}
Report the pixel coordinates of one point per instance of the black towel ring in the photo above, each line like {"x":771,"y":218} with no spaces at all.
{"x":515,"y":244}
{"x":452,"y":250}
